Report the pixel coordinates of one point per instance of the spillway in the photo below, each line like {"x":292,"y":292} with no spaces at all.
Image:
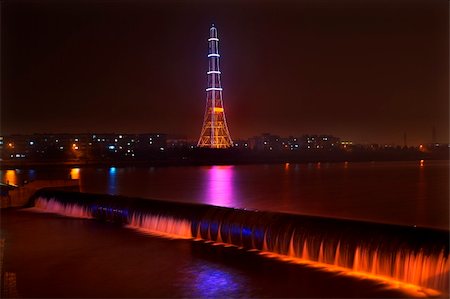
{"x":413,"y":255}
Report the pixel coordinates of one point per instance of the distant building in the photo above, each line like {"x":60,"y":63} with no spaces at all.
{"x":241,"y":144}
{"x":319,"y":142}
{"x":269,"y":142}
{"x":346,"y":144}
{"x":266,"y":142}
{"x":80,"y":146}
{"x":179,"y":142}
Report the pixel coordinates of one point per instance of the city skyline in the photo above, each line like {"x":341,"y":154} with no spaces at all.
{"x":368,"y":72}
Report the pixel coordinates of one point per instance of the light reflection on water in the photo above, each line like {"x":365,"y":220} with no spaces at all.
{"x":421,"y":194}
{"x":11,"y":177}
{"x":31,"y":175}
{"x":112,"y":180}
{"x":75,"y":173}
{"x":219,"y":190}
{"x":217,"y":281}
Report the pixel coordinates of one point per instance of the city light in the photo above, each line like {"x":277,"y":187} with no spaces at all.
{"x":214,"y":88}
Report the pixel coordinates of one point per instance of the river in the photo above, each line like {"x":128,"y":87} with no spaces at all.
{"x":407,"y":193}
{"x":52,"y":256}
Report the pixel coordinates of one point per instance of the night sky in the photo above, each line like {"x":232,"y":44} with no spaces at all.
{"x":367,"y":71}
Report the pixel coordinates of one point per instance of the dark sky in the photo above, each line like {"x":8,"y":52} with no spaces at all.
{"x":361,"y":70}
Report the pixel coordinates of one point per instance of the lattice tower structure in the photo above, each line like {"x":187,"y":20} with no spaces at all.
{"x":215,"y":132}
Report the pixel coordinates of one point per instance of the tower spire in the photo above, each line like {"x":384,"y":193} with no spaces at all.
{"x":215,"y":132}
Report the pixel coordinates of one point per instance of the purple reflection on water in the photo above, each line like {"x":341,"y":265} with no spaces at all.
{"x":219,"y":186}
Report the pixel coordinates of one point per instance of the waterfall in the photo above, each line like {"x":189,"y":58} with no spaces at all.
{"x":54,"y":206}
{"x":412,"y":255}
{"x":161,"y":225}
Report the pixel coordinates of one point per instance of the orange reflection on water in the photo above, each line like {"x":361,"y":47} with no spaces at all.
{"x":11,"y":177}
{"x":286,"y":166}
{"x":422,"y":163}
{"x":75,"y":173}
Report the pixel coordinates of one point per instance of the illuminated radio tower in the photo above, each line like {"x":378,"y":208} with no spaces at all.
{"x":215,"y":132}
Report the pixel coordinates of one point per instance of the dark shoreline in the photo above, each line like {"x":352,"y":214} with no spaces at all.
{"x":232,"y":156}
{"x":13,"y":164}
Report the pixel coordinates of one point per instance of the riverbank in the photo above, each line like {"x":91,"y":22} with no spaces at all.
{"x":199,"y":157}
{"x":19,"y":195}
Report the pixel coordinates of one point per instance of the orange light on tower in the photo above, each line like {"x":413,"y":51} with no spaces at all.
{"x":214,"y":132}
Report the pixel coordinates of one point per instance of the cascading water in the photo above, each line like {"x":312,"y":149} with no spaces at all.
{"x":161,"y":225}
{"x":411,"y":255}
{"x":407,"y":254}
{"x":54,"y":206}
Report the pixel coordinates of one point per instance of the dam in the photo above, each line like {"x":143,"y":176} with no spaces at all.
{"x":402,"y":254}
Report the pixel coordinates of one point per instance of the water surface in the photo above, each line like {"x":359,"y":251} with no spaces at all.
{"x":58,"y":257}
{"x":408,"y":193}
